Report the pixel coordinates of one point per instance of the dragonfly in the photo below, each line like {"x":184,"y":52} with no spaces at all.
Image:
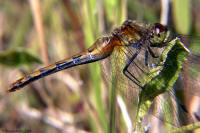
{"x":134,"y":47}
{"x":130,"y":35}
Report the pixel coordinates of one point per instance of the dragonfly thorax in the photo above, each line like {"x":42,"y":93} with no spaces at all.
{"x":131,"y":32}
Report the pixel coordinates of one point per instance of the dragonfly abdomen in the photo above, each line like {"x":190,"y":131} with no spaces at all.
{"x":82,"y":58}
{"x":101,"y":49}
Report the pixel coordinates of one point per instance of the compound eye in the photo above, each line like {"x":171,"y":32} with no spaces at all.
{"x":157,"y":32}
{"x":158,"y":28}
{"x":160,"y":34}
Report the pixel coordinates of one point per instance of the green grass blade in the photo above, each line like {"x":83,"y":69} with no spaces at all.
{"x":91,"y":31}
{"x":22,"y":29}
{"x":117,"y":16}
{"x":182,"y":15}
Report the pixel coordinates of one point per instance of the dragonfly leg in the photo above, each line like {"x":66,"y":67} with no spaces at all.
{"x":196,"y":116}
{"x":146,"y":58}
{"x":151,"y":53}
{"x":129,"y":75}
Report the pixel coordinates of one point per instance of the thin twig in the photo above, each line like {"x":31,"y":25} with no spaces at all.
{"x":101,"y":20}
{"x":35,"y":6}
{"x":164,"y":12}
{"x":76,"y":25}
{"x":125,"y":114}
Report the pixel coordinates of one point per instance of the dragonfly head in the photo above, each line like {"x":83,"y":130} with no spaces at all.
{"x":160,"y":35}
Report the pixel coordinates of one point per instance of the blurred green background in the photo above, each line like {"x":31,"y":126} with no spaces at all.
{"x":36,"y":33}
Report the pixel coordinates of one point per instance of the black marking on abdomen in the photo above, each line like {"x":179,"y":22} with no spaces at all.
{"x":59,"y":66}
{"x":77,"y":59}
{"x":43,"y":72}
{"x":29,"y":78}
{"x":22,"y":83}
{"x":17,"y":86}
{"x":64,"y":65}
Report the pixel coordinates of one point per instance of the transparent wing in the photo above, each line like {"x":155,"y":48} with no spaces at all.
{"x":138,"y":68}
{"x":115,"y":64}
{"x":175,"y":108}
{"x":129,"y":90}
{"x":167,"y":112}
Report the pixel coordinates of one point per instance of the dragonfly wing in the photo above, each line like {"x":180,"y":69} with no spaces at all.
{"x":173,"y":109}
{"x":119,"y":58}
{"x":189,"y":82}
{"x":115,"y":64}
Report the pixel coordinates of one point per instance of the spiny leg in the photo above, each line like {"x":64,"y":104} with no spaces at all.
{"x":126,"y":69}
{"x":151,"y":53}
{"x":146,"y":58}
{"x":147,"y":52}
{"x":133,"y":61}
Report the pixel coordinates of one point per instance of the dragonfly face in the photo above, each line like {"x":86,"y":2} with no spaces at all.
{"x":161,"y":35}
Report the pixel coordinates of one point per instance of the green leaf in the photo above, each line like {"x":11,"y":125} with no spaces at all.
{"x":15,"y":58}
{"x":172,"y":57}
